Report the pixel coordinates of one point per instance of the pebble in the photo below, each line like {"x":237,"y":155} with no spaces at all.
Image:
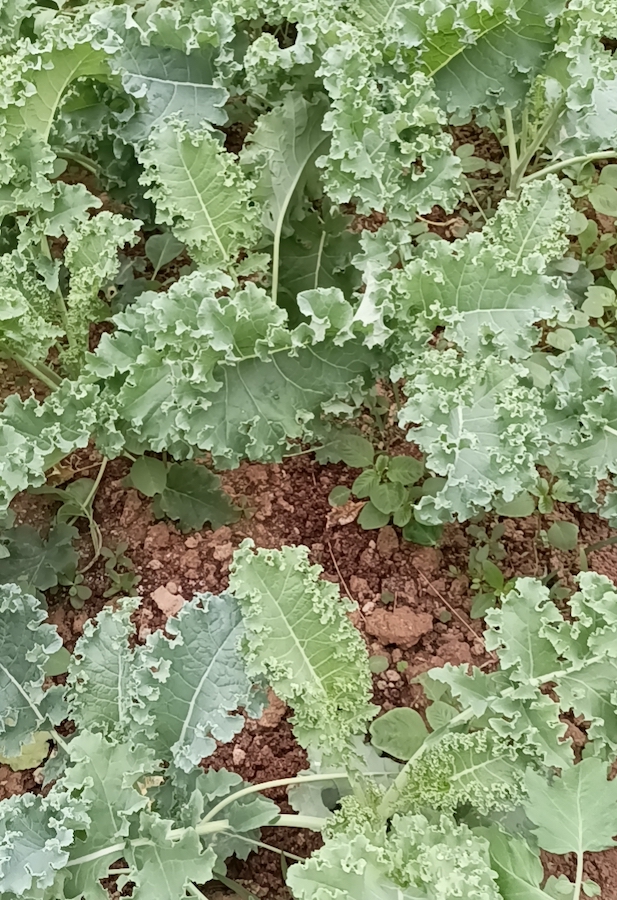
{"x":368,"y":607}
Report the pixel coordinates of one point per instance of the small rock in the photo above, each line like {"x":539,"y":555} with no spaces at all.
{"x":402,"y":626}
{"x":190,"y":559}
{"x":274,"y":711}
{"x":238,"y":756}
{"x":387,"y":541}
{"x":393,"y":676}
{"x":223,"y":552}
{"x":382,"y":685}
{"x":157,"y":537}
{"x":455,"y":652}
{"x":427,"y":559}
{"x":168,"y":603}
{"x":172,"y":587}
{"x":193,"y":541}
{"x":360,"y":587}
{"x":155,"y":564}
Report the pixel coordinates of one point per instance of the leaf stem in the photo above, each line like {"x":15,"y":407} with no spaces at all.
{"x":86,"y":163}
{"x":572,"y":161}
{"x":578,"y":880}
{"x":266,"y":785}
{"x":264,"y":846}
{"x":41,"y":371}
{"x":64,"y":313}
{"x":512,"y":151}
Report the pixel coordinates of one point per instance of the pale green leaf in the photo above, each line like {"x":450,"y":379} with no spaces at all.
{"x":399,"y":732}
{"x":519,"y":869}
{"x":200,"y":192}
{"x":288,"y":611}
{"x":25,"y":647}
{"x":575,"y":812}
{"x":34,"y":562}
{"x":196,"y":681}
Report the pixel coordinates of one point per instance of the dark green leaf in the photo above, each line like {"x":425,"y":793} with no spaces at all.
{"x":388,"y":497}
{"x":405,"y":469}
{"x":563,"y":535}
{"x":193,"y":496}
{"x":345,"y":446}
{"x":371,"y":517}
{"x":521,"y":506}
{"x":148,"y":475}
{"x":339,"y":495}
{"x":364,"y":482}
{"x":35,"y":562}
{"x":424,"y":535}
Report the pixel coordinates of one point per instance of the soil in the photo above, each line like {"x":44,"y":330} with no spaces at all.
{"x":426,"y":623}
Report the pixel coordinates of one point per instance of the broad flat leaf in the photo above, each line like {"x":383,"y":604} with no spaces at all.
{"x":345,"y":446}
{"x":32,"y":754}
{"x":35,"y":834}
{"x":161,"y":249}
{"x":519,"y":869}
{"x":193,"y":496}
{"x":199,"y":192}
{"x":34,"y":562}
{"x":163,"y":868}
{"x":575,"y":812}
{"x":196,"y":681}
{"x":287,"y":611}
{"x":102,"y":686}
{"x":399,"y":732}
{"x":563,"y":535}
{"x":148,"y":475}
{"x":103,"y":776}
{"x":404,"y":863}
{"x":25,"y":646}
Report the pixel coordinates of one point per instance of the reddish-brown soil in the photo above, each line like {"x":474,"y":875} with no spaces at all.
{"x":427,"y":623}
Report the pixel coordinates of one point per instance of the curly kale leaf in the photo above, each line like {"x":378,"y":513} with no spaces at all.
{"x":298,"y":636}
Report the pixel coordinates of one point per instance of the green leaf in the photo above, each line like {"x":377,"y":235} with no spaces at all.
{"x":405,"y":469}
{"x":193,"y":496}
{"x":339,"y":495}
{"x":345,"y":446}
{"x":378,"y":664}
{"x":32,"y":754}
{"x":58,"y":663}
{"x":603,"y":198}
{"x":439,"y":714}
{"x":520,"y":507}
{"x":37,"y":563}
{"x":163,"y":866}
{"x":364,"y":483}
{"x":364,"y":862}
{"x":148,"y":475}
{"x":371,"y":517}
{"x":25,"y":648}
{"x":399,"y":732}
{"x":162,"y":249}
{"x":36,"y":833}
{"x":103,"y":777}
{"x":489,"y":289}
{"x":519,"y":869}
{"x":196,"y":681}
{"x":388,"y":497}
{"x":286,"y":608}
{"x":493,"y":575}
{"x":576,"y":812}
{"x":563,"y":535}
{"x":199,"y":192}
{"x":101,"y":688}
{"x":421,"y":534}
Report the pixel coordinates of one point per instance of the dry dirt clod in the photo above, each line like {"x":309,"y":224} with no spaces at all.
{"x":168,"y":603}
{"x":387,"y":541}
{"x":402,"y":626}
{"x":274,"y":711}
{"x":157,"y":537}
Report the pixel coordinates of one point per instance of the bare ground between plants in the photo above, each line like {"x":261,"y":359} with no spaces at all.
{"x":427,"y":624}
